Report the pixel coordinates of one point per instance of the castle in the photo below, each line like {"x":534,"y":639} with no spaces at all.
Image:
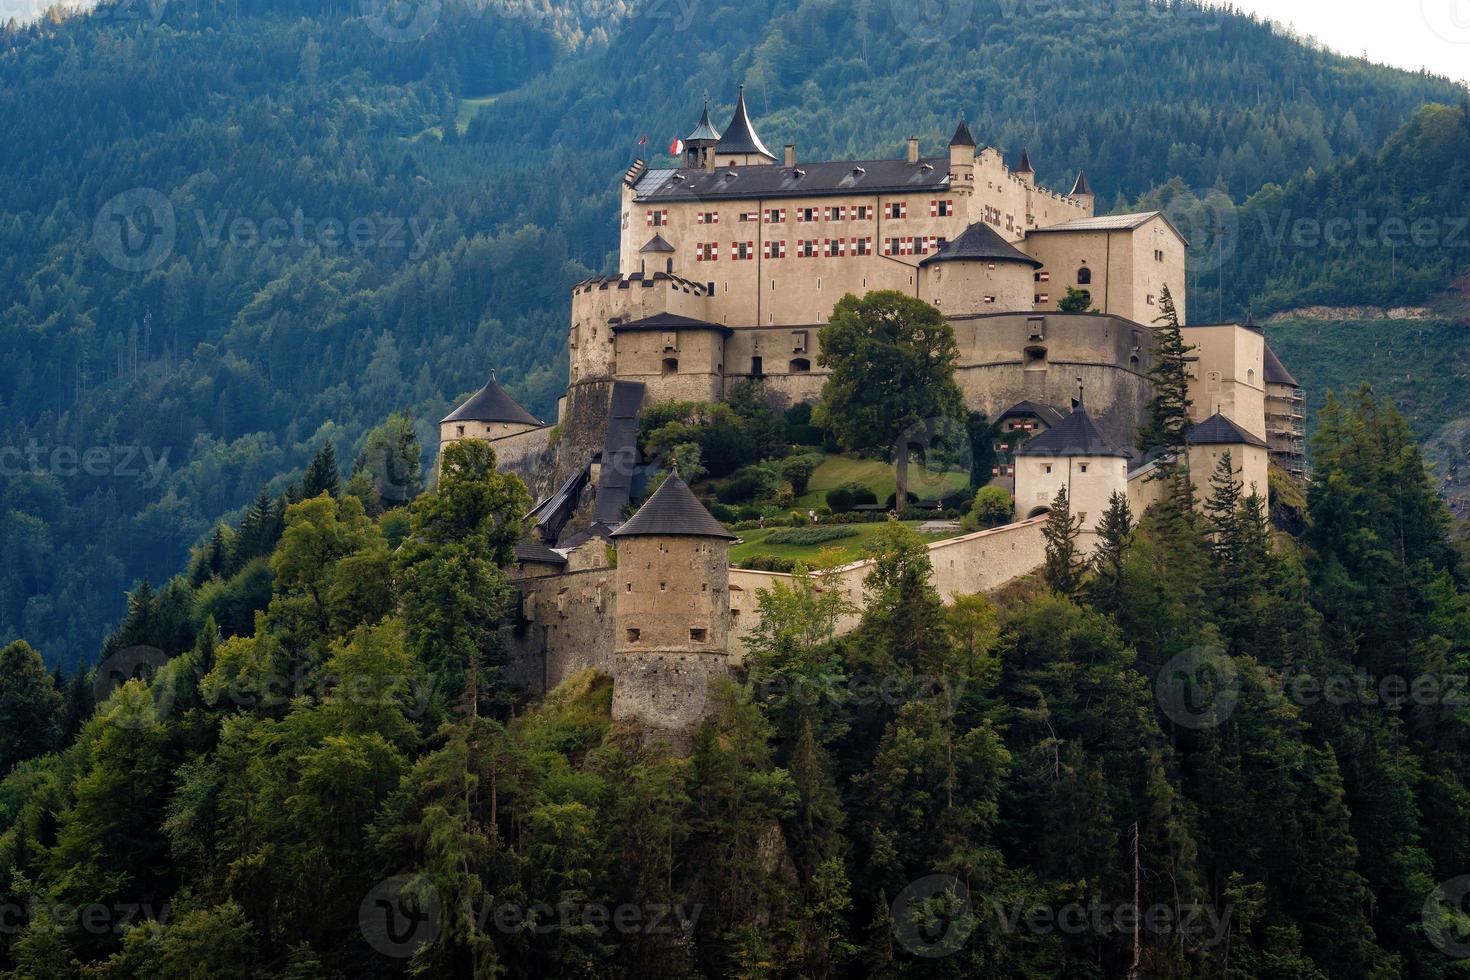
{"x":729,"y":265}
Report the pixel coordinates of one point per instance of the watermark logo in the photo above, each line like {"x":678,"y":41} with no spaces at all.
{"x":939,"y":445}
{"x":1446,"y":918}
{"x":135,"y":230}
{"x":400,"y":915}
{"x":1448,"y":19}
{"x":927,"y":21}
{"x":933,"y":917}
{"x":1199,"y":688}
{"x":135,"y":663}
{"x":1209,"y":221}
{"x":401,"y":21}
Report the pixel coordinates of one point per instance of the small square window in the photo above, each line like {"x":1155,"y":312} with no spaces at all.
{"x":697,"y":635}
{"x":633,"y":634}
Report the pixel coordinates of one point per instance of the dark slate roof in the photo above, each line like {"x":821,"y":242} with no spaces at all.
{"x":1217,"y":430}
{"x":846,"y":177}
{"x":1082,"y":186}
{"x":1075,"y":435}
{"x":982,"y":243}
{"x":657,"y":244}
{"x":669,"y":321}
{"x":1024,"y":167}
{"x":704,"y":131}
{"x":491,"y":404}
{"x":739,"y":136}
{"x":962,"y":135}
{"x":1051,"y":416}
{"x":597,"y":529}
{"x":531,"y":550}
{"x":1276,"y":373}
{"x":673,"y":510}
{"x":619,"y":451}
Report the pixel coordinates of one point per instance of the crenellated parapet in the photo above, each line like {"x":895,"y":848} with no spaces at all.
{"x":603,"y":303}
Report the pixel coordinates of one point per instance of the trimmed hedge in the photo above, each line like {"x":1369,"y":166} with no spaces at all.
{"x":819,"y":534}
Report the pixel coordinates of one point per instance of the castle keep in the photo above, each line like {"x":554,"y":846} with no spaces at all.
{"x":729,"y":266}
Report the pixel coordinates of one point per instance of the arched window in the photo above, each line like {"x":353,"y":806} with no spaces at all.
{"x":800,"y":365}
{"x":1084,"y":276}
{"x":1250,"y":376}
{"x":671,"y":365}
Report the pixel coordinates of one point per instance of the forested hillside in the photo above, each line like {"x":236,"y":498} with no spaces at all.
{"x":354,"y":217}
{"x":1210,"y":753}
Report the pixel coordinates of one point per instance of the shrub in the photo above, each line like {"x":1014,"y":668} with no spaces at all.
{"x":849,"y":495}
{"x":739,"y":489}
{"x":723,"y":514}
{"x":992,"y":507}
{"x":815,"y":535}
{"x":798,"y":471}
{"x":767,"y":563}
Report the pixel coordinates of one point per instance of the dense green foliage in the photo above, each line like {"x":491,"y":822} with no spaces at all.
{"x":231,"y":361}
{"x":1257,"y":745}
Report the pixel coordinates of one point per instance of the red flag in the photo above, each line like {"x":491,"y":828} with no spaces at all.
{"x":676,"y":148}
{"x":642,"y":140}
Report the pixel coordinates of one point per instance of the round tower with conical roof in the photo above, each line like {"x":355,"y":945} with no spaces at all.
{"x":671,"y":625}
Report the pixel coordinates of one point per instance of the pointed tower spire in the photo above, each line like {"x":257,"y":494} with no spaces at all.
{"x":1024,"y":167}
{"x":698,"y":143}
{"x":1082,"y":188}
{"x":739,"y":142}
{"x":962,"y":135}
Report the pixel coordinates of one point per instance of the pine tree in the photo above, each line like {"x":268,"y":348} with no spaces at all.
{"x":1109,"y":559}
{"x":77,"y":705}
{"x":1064,"y":563}
{"x":1165,"y":435}
{"x":29,"y":705}
{"x":322,"y":475}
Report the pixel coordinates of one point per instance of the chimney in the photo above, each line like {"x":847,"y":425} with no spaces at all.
{"x":913,"y":149}
{"x":790,"y":154}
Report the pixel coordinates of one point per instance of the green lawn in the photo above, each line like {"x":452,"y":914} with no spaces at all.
{"x":845,"y":550}
{"x":469,"y":108}
{"x":878,"y":477}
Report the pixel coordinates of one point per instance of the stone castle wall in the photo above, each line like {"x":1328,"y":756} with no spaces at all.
{"x":975,"y":563}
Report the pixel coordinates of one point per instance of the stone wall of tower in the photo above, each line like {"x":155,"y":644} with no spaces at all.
{"x":1124,"y":272}
{"x":1250,"y":463}
{"x":1090,"y":482}
{"x":671,"y":629}
{"x":681,"y":365}
{"x":964,"y":288}
{"x":1228,"y":375}
{"x":1010,"y":358}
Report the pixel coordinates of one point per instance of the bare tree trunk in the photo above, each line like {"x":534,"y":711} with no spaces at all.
{"x":1137,"y":950}
{"x":901,"y":475}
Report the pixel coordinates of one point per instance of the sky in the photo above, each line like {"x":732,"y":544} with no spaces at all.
{"x":1412,"y":34}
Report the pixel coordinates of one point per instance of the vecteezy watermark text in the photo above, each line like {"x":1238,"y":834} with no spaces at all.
{"x":143,"y":463}
{"x":137,"y":231}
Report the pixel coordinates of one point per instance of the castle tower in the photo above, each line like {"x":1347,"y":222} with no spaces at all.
{"x":1249,"y":456}
{"x":979,"y":272}
{"x":1075,"y":455}
{"x":962,"y":160}
{"x":671,"y":624}
{"x":1024,"y":170}
{"x":1082,"y":192}
{"x":698,"y":143}
{"x":740,"y":146}
{"x":488,"y":414}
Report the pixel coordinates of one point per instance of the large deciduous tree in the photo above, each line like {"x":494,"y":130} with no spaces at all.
{"x":892,"y":359}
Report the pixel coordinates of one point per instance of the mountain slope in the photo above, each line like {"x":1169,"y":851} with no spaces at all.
{"x":262,"y":135}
